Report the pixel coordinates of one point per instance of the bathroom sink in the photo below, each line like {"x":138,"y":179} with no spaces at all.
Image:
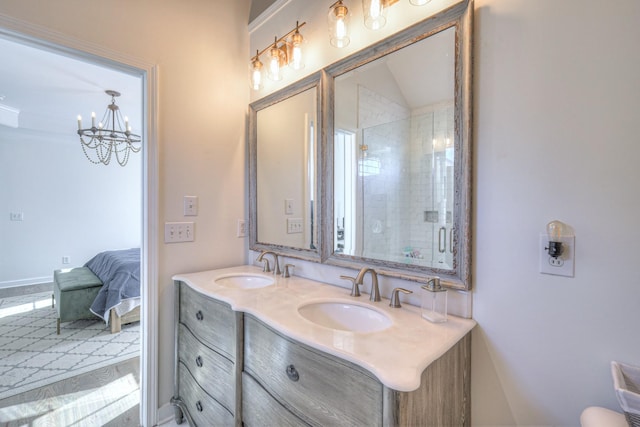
{"x":345,"y":316}
{"x":244,"y":280}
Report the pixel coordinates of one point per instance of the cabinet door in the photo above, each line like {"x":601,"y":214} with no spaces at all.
{"x":211,"y":321}
{"x":318,"y":388}
{"x":214,"y":373}
{"x":260,"y":409}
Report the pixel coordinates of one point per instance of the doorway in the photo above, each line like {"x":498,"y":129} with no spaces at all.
{"x":147,"y":172}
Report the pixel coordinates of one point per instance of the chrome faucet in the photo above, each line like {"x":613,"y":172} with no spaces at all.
{"x":375,"y":291}
{"x":266,"y":269}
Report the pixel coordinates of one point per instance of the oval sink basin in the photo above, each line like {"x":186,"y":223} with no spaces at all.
{"x":244,"y":280}
{"x":345,"y":316}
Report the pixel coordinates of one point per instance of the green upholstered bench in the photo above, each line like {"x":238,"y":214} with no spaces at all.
{"x":73,"y":292}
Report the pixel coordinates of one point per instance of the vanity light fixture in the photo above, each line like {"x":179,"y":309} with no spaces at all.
{"x":286,"y":50}
{"x":555,"y":231}
{"x":338,"y":20}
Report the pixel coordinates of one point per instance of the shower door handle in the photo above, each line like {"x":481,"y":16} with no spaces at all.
{"x":442,"y":239}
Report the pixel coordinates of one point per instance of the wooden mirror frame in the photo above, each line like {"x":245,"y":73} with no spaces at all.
{"x":313,"y":81}
{"x":459,"y":16}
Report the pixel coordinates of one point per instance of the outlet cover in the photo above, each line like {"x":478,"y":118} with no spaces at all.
{"x":242,"y":228}
{"x":562,"y":265}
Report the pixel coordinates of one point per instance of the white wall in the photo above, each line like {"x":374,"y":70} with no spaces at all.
{"x":555,"y":121}
{"x":200,"y":47}
{"x":71,"y":207}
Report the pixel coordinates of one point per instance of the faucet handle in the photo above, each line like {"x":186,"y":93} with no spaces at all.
{"x":266,"y":267}
{"x":355,"y":291}
{"x":395,"y":297}
{"x":285,"y":272}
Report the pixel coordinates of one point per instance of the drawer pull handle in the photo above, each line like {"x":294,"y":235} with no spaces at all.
{"x":199,"y":406}
{"x":199,"y":361}
{"x":199,"y":315}
{"x":292,"y":373}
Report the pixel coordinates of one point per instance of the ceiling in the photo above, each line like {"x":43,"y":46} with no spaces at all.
{"x":51,"y":89}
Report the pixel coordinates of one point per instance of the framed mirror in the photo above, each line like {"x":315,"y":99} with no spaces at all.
{"x":399,"y":153}
{"x":284,"y":161}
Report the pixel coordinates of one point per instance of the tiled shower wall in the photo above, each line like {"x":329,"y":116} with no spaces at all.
{"x":389,"y":228}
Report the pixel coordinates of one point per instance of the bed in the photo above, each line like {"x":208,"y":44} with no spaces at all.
{"x":118,"y":301}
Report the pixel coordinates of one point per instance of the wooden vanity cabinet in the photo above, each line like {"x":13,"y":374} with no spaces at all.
{"x":207,"y":347}
{"x":288,"y":383}
{"x":233,"y":369}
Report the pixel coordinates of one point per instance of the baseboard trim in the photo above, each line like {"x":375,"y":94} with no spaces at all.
{"x":165,"y":414}
{"x":26,"y":282}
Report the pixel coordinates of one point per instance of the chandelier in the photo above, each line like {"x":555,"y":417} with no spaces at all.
{"x":100,"y":143}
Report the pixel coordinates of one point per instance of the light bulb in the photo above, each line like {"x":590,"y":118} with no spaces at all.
{"x":255,"y":73}
{"x":296,"y":42}
{"x":274,"y":63}
{"x":555,"y":230}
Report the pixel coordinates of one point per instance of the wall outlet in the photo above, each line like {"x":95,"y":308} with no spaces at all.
{"x":16,"y":216}
{"x":242,"y":228}
{"x":190,"y":205}
{"x":66,"y":260}
{"x":562,"y":265}
{"x":175,"y":232}
{"x":294,"y":225}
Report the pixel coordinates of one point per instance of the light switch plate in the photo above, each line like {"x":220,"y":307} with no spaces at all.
{"x":190,"y":205}
{"x":294,"y":225}
{"x":562,"y":265}
{"x":175,"y":232}
{"x":288,"y":206}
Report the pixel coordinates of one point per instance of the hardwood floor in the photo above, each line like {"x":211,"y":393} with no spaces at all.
{"x":108,"y":396}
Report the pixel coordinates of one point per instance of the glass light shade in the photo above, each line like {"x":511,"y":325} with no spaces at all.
{"x":274,"y":64}
{"x":375,"y":14}
{"x":296,"y":51}
{"x":555,"y":231}
{"x":419,"y":2}
{"x":338,"y":20}
{"x":255,"y":74}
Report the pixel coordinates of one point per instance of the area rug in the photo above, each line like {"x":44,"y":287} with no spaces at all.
{"x":33,"y":355}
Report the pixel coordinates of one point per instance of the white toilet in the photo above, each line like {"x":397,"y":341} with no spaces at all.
{"x":595,"y":416}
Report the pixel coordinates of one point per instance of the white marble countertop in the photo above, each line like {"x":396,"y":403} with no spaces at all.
{"x":396,"y":356}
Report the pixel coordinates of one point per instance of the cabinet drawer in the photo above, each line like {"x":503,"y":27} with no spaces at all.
{"x":211,"y":321}
{"x":213,"y":372}
{"x":317,"y":387}
{"x":203,"y":409}
{"x":259,"y":409}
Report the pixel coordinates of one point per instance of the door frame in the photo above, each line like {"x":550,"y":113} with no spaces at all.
{"x":41,"y":37}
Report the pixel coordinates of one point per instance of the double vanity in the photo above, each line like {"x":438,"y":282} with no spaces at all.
{"x":260,"y":349}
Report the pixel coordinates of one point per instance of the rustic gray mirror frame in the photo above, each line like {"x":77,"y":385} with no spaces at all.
{"x":460,"y":17}
{"x":312,"y":82}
